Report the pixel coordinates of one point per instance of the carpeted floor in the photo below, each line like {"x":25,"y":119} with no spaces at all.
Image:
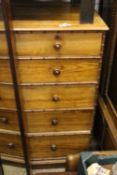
{"x":11,"y":170}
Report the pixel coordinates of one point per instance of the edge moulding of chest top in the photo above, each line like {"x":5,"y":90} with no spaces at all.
{"x":53,"y":17}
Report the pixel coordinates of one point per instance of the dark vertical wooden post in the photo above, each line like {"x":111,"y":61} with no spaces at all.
{"x":1,"y":168}
{"x":87,"y":11}
{"x":101,"y":6}
{"x":6,"y":8}
{"x":109,"y":14}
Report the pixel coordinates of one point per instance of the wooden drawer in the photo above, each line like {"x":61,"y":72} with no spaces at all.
{"x":52,"y":44}
{"x":3,"y":45}
{"x":50,"y":121}
{"x":57,"y":146}
{"x":47,"y":97}
{"x":5,"y":71}
{"x":8,"y":120}
{"x":54,"y":121}
{"x":10,"y":144}
{"x":7,"y":98}
{"x":44,"y":71}
{"x":55,"y":97}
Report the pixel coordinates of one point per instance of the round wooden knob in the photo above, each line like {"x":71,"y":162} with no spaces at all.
{"x":53,"y":147}
{"x":11,"y":145}
{"x":4,"y":120}
{"x":55,"y":98}
{"x":54,"y":122}
{"x":56,"y":71}
{"x":57,"y":37}
{"x":57,"y":46}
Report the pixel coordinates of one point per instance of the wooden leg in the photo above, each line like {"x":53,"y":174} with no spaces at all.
{"x":87,"y":11}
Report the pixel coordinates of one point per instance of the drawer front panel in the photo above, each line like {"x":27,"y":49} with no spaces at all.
{"x":8,"y":120}
{"x":54,"y":121}
{"x":57,"y":146}
{"x":46,"y":44}
{"x":50,"y":97}
{"x":44,"y":71}
{"x":7,"y":98}
{"x":3,"y":45}
{"x":55,"y":97}
{"x":10,"y":144}
{"x":5,"y":75}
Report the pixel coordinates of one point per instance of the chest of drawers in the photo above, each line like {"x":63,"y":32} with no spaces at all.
{"x":58,"y":68}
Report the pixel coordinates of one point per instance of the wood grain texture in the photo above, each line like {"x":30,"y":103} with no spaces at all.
{"x":11,"y":119}
{"x":42,"y":121}
{"x":4,"y":48}
{"x":43,"y":44}
{"x":108,"y":141}
{"x":5,"y":71}
{"x":66,"y":121}
{"x":41,"y":18}
{"x":7,"y":98}
{"x":40,"y":147}
{"x":41,"y":97}
{"x":111,"y":130}
{"x":42,"y":71}
{"x":5,"y":139}
{"x":49,"y":38}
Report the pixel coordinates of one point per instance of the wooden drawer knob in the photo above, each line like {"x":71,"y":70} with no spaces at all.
{"x":56,"y":71}
{"x":56,"y":98}
{"x":11,"y":145}
{"x":57,"y":37}
{"x":57,"y":46}
{"x":54,"y":122}
{"x":4,"y":120}
{"x":53,"y":147}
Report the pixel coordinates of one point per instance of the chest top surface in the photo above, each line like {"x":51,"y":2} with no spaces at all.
{"x":52,"y":18}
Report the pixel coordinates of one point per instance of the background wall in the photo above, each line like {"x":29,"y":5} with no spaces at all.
{"x":97,"y":4}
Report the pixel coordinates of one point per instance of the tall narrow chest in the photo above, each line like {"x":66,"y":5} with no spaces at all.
{"x":58,"y":63}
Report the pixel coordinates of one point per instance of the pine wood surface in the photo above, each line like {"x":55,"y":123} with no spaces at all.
{"x":66,"y":121}
{"x":65,"y":145}
{"x":42,"y":121}
{"x":51,"y":39}
{"x":41,"y":97}
{"x":42,"y":71}
{"x":71,"y":120}
{"x":52,"y":18}
{"x":5,"y":139}
{"x":43,"y":44}
{"x":9,"y":120}
{"x":41,"y":147}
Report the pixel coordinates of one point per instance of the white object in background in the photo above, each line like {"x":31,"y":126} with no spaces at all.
{"x":114,"y":169}
{"x":96,"y":169}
